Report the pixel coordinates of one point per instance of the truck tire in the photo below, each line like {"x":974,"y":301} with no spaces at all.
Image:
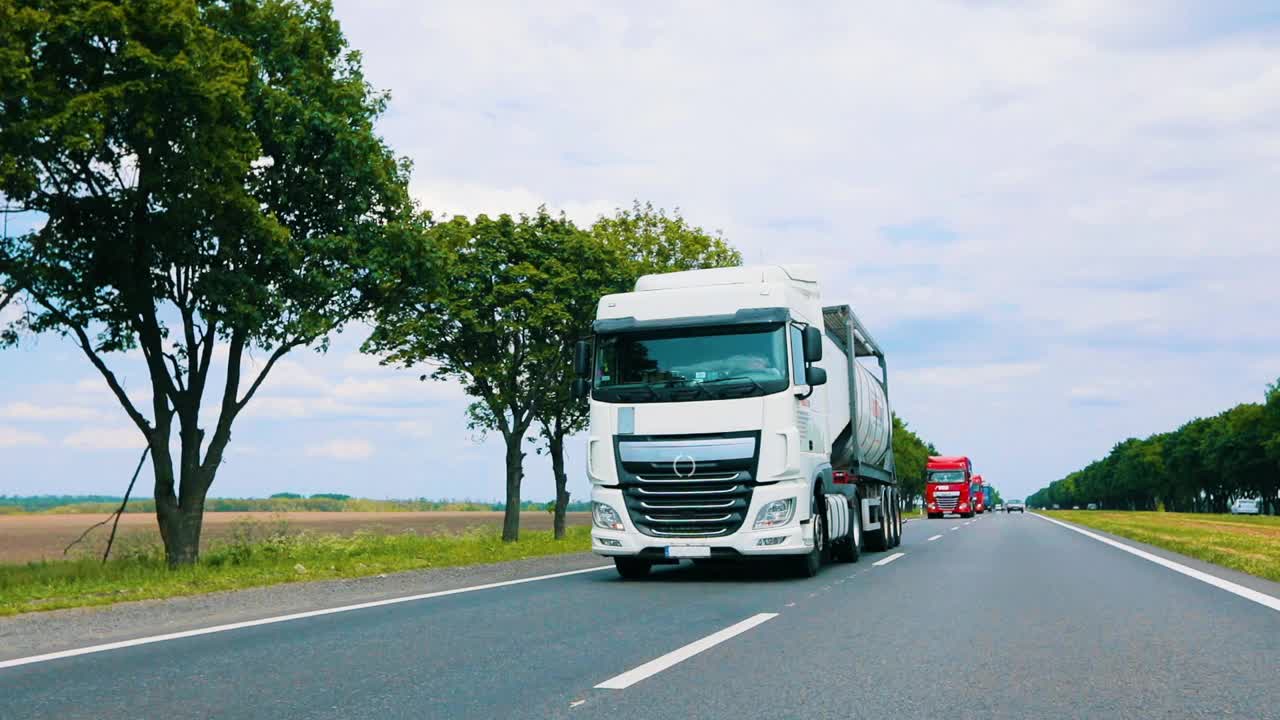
{"x":878,"y":540}
{"x":632,"y":568}
{"x":810,"y":563}
{"x":897,"y":518}
{"x":967,"y":515}
{"x":849,"y":548}
{"x":935,"y":516}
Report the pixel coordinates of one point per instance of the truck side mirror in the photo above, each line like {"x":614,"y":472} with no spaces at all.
{"x":582,"y":359}
{"x":580,"y":388}
{"x":812,"y":345}
{"x":815,"y":376}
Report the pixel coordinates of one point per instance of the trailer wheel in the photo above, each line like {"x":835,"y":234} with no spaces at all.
{"x":879,"y":539}
{"x":632,"y":568}
{"x":809,"y":564}
{"x":849,"y":548}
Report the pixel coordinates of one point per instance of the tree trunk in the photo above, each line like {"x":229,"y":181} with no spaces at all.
{"x":180,"y":515}
{"x":515,"y":474}
{"x":556,"y":445}
{"x":180,"y":529}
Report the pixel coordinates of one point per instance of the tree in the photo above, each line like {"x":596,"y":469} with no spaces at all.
{"x":624,"y":246}
{"x":210,"y":177}
{"x":496,"y":321}
{"x":652,"y":241}
{"x":910,"y":455}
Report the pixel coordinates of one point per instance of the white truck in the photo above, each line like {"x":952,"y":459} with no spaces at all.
{"x":732,"y":416}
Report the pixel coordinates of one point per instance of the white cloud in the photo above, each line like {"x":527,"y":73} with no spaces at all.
{"x":985,"y":377}
{"x":32,"y":411}
{"x":349,"y":449}
{"x":106,"y":438}
{"x":415,"y":429}
{"x":12,"y":437}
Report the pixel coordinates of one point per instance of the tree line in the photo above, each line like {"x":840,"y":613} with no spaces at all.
{"x":1203,"y":466}
{"x":213,"y":187}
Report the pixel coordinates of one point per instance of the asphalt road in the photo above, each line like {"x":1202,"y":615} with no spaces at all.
{"x":1005,"y":617}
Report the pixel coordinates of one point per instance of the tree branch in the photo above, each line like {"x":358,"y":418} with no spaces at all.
{"x":87,"y":346}
{"x":279,"y":353}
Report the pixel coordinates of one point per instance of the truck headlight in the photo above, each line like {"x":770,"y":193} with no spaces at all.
{"x":963,"y":505}
{"x":605,"y":517}
{"x":778,"y":512}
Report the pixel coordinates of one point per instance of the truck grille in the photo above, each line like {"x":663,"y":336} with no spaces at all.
{"x":690,"y":485}
{"x":947,"y":503}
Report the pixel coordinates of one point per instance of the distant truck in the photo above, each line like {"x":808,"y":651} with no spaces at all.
{"x":979,"y":495}
{"x":948,"y":486}
{"x":732,"y":417}
{"x":989,"y":498}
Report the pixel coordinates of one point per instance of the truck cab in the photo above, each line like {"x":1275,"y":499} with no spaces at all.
{"x":729,"y":418}
{"x":948,"y":486}
{"x":978,"y":491}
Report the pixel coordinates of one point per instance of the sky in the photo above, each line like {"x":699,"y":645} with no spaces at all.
{"x":1059,"y":219}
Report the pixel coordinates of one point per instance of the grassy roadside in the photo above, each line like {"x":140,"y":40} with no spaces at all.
{"x":259,"y":556}
{"x":1247,"y":543}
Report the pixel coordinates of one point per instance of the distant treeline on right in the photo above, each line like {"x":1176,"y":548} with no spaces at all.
{"x":1202,"y":466}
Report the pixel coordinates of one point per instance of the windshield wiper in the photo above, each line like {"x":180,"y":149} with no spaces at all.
{"x":738,"y":378}
{"x":623,"y":391}
{"x":676,"y":385}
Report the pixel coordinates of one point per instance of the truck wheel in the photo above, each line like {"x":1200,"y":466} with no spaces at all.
{"x":935,"y":516}
{"x":897,"y":519}
{"x":632,"y":568}
{"x":966,"y":515}
{"x":848,"y":549}
{"x":878,"y":540}
{"x":809,"y":564}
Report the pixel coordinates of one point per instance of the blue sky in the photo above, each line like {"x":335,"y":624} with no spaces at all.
{"x":1058,"y":218}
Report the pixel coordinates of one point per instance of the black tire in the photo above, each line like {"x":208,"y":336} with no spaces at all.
{"x":935,"y":516}
{"x":878,"y":540}
{"x":849,"y":548}
{"x":632,"y":568}
{"x":966,"y":515}
{"x":897,"y":518}
{"x":810,"y":563}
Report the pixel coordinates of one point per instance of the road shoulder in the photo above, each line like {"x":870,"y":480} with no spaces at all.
{"x":1252,"y":582}
{"x":57,"y":630}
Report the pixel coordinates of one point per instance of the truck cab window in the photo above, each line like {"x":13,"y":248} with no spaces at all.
{"x":797,"y":355}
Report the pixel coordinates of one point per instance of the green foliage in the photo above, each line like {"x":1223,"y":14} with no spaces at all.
{"x":509,"y":294}
{"x":210,"y":175}
{"x":286,"y":496}
{"x":258,"y":555}
{"x":910,"y":454}
{"x":330,"y":496}
{"x":1200,"y":467}
{"x":653,"y":241}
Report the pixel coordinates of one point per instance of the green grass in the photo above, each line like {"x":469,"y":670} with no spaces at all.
{"x":1247,"y":543}
{"x":258,"y":555}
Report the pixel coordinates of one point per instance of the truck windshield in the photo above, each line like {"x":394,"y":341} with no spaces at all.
{"x":691,"y":364}
{"x":946,"y":476}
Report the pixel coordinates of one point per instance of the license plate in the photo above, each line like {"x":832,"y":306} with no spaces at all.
{"x":688,"y":551}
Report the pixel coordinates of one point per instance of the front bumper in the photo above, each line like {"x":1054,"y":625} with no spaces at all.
{"x":796,"y":538}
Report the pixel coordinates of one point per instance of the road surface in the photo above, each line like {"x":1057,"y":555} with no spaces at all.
{"x":1003,"y":617}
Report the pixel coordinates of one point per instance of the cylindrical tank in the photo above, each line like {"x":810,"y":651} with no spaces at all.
{"x":870,"y":428}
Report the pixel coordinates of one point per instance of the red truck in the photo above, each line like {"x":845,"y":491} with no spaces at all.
{"x":949,"y":486}
{"x":979,"y":494}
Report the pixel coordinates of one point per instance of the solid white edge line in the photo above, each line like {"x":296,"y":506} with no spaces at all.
{"x":281,"y":618}
{"x":657,"y":665}
{"x":1204,"y":577}
{"x":935,"y":537}
{"x":886,"y":561}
